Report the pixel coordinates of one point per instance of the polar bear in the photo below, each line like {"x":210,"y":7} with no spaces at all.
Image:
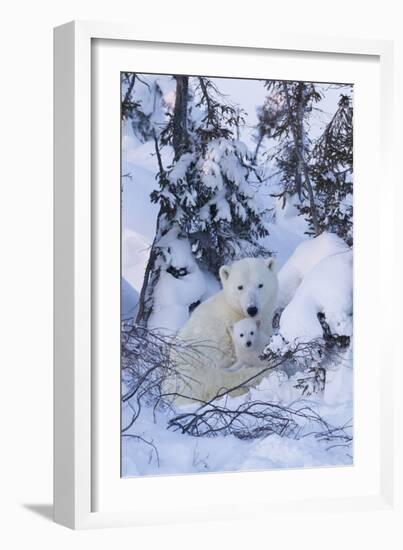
{"x":249,"y":289}
{"x":248,"y":342}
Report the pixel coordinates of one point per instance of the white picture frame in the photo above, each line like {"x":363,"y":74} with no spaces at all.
{"x":78,"y":421}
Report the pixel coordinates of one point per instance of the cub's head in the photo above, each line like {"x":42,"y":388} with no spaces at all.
{"x":249,"y":285}
{"x":245,"y":333}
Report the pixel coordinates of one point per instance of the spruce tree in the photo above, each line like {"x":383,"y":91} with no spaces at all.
{"x":141,"y":99}
{"x":284,"y":118}
{"x":332,"y":172}
{"x":211,"y":186}
{"x":207,"y":196}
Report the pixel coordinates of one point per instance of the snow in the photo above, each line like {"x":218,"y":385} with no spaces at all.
{"x":286,"y":232}
{"x":326,"y":288}
{"x":187,"y":454}
{"x":138,"y":213}
{"x":315,"y":275}
{"x":339,"y":387}
{"x":325,"y":285}
{"x":317,"y":278}
{"x":211,"y":174}
{"x":305,"y":257}
{"x":223,"y":208}
{"x":178,"y":172}
{"x":135,"y":253}
{"x":172,"y":295}
{"x":222,"y":155}
{"x":129,"y":301}
{"x":212,"y":286}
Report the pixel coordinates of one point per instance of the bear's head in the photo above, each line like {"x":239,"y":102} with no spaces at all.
{"x":245,"y":333}
{"x":250,"y":285}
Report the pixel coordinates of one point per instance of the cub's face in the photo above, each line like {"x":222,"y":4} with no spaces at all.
{"x":249,"y":285}
{"x":245,"y":333}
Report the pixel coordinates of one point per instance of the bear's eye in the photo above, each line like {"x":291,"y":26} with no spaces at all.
{"x":241,"y":335}
{"x":261,"y":285}
{"x":251,"y":333}
{"x":240,"y":287}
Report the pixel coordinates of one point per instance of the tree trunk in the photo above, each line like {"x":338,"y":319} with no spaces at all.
{"x":179,"y":132}
{"x":258,"y":145}
{"x":145,"y":299}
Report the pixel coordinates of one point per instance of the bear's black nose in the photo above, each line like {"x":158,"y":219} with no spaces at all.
{"x":252,"y":310}
{"x":249,"y":344}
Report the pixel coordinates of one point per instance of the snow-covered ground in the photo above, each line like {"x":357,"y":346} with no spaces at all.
{"x":315,"y":276}
{"x":328,"y":271}
{"x":175,"y":453}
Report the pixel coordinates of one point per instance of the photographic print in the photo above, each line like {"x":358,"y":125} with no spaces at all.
{"x":236,"y":274}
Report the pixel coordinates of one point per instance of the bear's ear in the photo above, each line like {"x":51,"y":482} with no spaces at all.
{"x":224,"y":272}
{"x":271,"y":264}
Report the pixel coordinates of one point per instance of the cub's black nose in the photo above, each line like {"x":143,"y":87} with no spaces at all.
{"x":249,"y":344}
{"x":252,"y":310}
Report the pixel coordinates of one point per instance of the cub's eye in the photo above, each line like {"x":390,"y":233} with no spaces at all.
{"x":261,"y":285}
{"x":240,"y":287}
{"x":241,"y":335}
{"x":251,"y":333}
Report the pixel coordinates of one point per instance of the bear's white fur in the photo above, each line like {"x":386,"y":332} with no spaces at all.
{"x":248,"y":343}
{"x":250,"y":289}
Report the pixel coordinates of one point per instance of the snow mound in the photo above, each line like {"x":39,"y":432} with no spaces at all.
{"x":327,"y":288}
{"x":287,"y":215}
{"x":308,"y":254}
{"x":135,"y":253}
{"x":129,"y":300}
{"x":174,"y":294}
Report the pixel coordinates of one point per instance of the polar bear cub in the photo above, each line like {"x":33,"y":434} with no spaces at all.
{"x":248,"y":343}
